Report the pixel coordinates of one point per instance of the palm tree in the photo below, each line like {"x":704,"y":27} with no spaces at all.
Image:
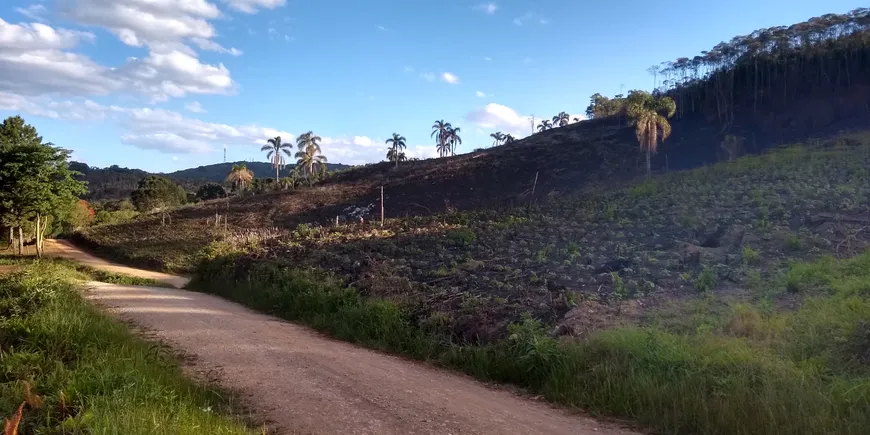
{"x":576,"y":119}
{"x":309,"y":154}
{"x":396,"y":156}
{"x":509,"y":139}
{"x":562,"y":119}
{"x":441,"y":132}
{"x":454,"y":139}
{"x":240,"y":176}
{"x":544,"y":125}
{"x":398,"y":144}
{"x":275,"y":147}
{"x":650,"y":115}
{"x":498,"y":137}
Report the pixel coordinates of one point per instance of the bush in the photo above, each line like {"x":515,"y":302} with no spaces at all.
{"x":210,"y":191}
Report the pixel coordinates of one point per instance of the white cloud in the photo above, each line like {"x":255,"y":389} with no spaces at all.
{"x":142,"y":22}
{"x":487,"y":8}
{"x":450,"y":78}
{"x":209,"y":45}
{"x":174,"y":74}
{"x":499,"y":117}
{"x":33,"y":62}
{"x":480,"y":94}
{"x":36,"y":36}
{"x":409,"y":69}
{"x":529,"y":17}
{"x":252,"y":6}
{"x":194,"y":107}
{"x":421,"y":152}
{"x":35,"y":12}
{"x":428,"y":76}
{"x":382,"y":28}
{"x":487,"y":58}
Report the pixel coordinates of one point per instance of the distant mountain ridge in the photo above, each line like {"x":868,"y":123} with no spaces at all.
{"x":114,"y":182}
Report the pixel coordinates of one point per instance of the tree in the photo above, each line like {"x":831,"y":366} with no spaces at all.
{"x":453,"y":139}
{"x":210,"y":191}
{"x":275,"y":147}
{"x":441,"y":132}
{"x":393,"y":157}
{"x":544,"y":125}
{"x":309,"y":156}
{"x":157,"y":193}
{"x":562,"y":119}
{"x":397,"y":144}
{"x":498,"y":138}
{"x":240,"y":177}
{"x":649,"y":114}
{"x":509,"y":139}
{"x":36,"y":184}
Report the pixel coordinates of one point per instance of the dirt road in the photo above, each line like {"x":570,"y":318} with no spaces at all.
{"x":303,"y":383}
{"x":65,"y":249}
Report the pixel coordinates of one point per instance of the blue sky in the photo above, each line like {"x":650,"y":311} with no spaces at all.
{"x":167,"y":84}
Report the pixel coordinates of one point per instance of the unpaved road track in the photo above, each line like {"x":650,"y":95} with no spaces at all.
{"x":304,"y":383}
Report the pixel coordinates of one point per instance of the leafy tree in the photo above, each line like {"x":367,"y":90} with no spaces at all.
{"x":157,"y":193}
{"x":210,"y":191}
{"x":240,"y":177}
{"x":35,"y":181}
{"x":545,"y":125}
{"x":275,"y":147}
{"x":309,"y":156}
{"x":397,"y":144}
{"x":441,"y":132}
{"x":562,"y":119}
{"x":509,"y":139}
{"x":649,"y":114}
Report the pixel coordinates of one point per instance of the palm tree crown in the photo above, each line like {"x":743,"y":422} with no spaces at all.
{"x":649,"y":114}
{"x":240,"y":176}
{"x":561,"y":119}
{"x":309,"y":156}
{"x":498,"y":137}
{"x":275,"y":147}
{"x":397,"y":144}
{"x":545,"y":125}
{"x":453,"y":139}
{"x":441,"y":132}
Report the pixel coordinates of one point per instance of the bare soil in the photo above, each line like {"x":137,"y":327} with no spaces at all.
{"x":301,"y":382}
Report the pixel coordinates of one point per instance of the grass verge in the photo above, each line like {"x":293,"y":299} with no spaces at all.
{"x":80,"y":371}
{"x":83,"y":272}
{"x":794,"y":373}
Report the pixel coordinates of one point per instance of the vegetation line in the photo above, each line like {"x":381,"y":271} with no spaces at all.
{"x":79,"y":371}
{"x":680,"y":384}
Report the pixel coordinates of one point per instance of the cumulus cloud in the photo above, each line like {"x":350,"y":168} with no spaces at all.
{"x":480,"y":94}
{"x":138,"y":22}
{"x":499,"y":117}
{"x":450,"y":78}
{"x":487,"y":8}
{"x":173,"y":73}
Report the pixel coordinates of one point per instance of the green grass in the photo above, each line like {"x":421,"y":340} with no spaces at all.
{"x":83,"y":272}
{"x":92,"y":374}
{"x":789,"y":373}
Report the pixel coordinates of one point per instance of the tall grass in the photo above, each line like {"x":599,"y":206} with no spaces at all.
{"x":783,"y":382}
{"x":90,"y":373}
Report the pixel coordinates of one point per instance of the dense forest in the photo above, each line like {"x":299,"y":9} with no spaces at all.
{"x":114,"y":182}
{"x":772,"y":86}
